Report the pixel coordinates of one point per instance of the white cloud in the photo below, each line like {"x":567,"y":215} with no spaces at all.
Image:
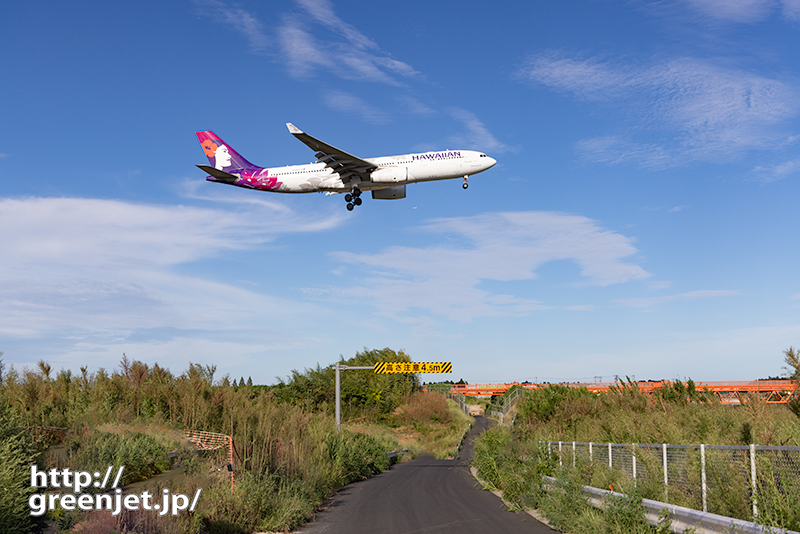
{"x":238,"y":19}
{"x":341,"y":49}
{"x":690,"y":295}
{"x":745,"y":11}
{"x":347,"y":103}
{"x":415,"y":106}
{"x":80,"y":268}
{"x":791,"y":10}
{"x":123,"y":235}
{"x":592,"y":79}
{"x":499,"y":247}
{"x":300,"y":50}
{"x":613,"y":150}
{"x":700,"y":110}
{"x":773,"y":173}
{"x":477,"y":135}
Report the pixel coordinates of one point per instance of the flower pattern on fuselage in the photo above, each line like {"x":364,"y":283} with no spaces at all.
{"x":260,"y":179}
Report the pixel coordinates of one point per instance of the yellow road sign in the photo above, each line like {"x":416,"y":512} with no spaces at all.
{"x":413,"y":367}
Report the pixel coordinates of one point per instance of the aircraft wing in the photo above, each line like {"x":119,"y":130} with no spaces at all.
{"x":339,"y":161}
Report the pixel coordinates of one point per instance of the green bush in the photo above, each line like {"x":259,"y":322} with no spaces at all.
{"x":18,"y":453}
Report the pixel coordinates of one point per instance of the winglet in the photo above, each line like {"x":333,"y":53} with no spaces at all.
{"x":294,"y":130}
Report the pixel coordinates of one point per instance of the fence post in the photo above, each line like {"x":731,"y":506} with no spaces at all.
{"x":591,"y":456}
{"x":230,"y":456}
{"x":610,"y":463}
{"x":664,"y":461}
{"x":559,"y":454}
{"x":338,"y":395}
{"x":753,"y":478}
{"x":703,"y":476}
{"x":573,"y":454}
{"x":633,"y":462}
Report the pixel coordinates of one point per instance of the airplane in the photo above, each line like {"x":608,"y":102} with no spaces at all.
{"x":337,"y":171}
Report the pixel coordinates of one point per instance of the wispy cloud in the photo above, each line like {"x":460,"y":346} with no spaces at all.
{"x":446,"y":280}
{"x":347,"y":103}
{"x":415,"y":106}
{"x":700,"y":110}
{"x":476,"y":136}
{"x":773,"y":173}
{"x":612,"y":150}
{"x":690,"y":295}
{"x":92,"y":271}
{"x":341,"y":50}
{"x":791,"y":10}
{"x":238,"y":19}
{"x":745,"y":11}
{"x":315,"y":39}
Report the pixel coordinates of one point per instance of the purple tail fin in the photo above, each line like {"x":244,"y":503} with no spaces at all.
{"x":220,"y":155}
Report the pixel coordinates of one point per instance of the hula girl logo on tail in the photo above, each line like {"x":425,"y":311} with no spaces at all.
{"x":220,"y":155}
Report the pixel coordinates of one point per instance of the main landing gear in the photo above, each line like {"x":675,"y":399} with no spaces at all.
{"x":465,"y":184}
{"x":353,"y":198}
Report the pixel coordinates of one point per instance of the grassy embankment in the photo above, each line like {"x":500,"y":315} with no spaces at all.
{"x":288,"y":457}
{"x":680,"y":415}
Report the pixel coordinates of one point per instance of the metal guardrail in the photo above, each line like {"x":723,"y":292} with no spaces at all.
{"x":392,"y":454}
{"x":461,"y":441}
{"x":680,"y":518}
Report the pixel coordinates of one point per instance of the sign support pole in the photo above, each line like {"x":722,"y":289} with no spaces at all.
{"x":339,"y":367}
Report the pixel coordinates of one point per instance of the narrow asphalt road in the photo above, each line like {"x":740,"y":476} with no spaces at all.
{"x":424,"y":495}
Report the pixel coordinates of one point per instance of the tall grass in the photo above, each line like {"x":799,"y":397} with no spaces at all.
{"x":681,"y":415}
{"x":517,"y":468}
{"x":625,"y":415}
{"x":288,"y":458}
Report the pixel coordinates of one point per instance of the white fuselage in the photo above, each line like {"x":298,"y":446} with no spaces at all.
{"x":391,"y":171}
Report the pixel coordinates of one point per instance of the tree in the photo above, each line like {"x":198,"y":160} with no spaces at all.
{"x":792,"y":359}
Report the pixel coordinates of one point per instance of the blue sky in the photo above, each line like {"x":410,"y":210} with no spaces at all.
{"x":642,"y":218}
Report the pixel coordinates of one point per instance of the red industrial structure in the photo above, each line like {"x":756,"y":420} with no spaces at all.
{"x":731,"y":392}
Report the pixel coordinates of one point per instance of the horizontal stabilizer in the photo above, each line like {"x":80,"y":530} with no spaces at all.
{"x":221,"y":176}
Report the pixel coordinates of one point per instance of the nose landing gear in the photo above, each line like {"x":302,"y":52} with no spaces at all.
{"x":353,"y":198}
{"x":465,"y":184}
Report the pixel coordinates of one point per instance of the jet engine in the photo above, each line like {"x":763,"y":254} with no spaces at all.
{"x":392,"y":193}
{"x":390,"y":175}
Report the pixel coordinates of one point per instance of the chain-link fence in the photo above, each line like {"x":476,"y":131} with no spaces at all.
{"x":504,"y":404}
{"x":457,"y":396}
{"x":731,"y":480}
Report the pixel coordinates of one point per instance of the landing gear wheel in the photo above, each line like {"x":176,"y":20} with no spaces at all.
{"x":348,"y":197}
{"x":356,"y":192}
{"x":357,"y":201}
{"x":349,"y":207}
{"x":465,"y":185}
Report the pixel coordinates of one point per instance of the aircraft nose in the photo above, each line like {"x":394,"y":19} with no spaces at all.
{"x":491,"y":162}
